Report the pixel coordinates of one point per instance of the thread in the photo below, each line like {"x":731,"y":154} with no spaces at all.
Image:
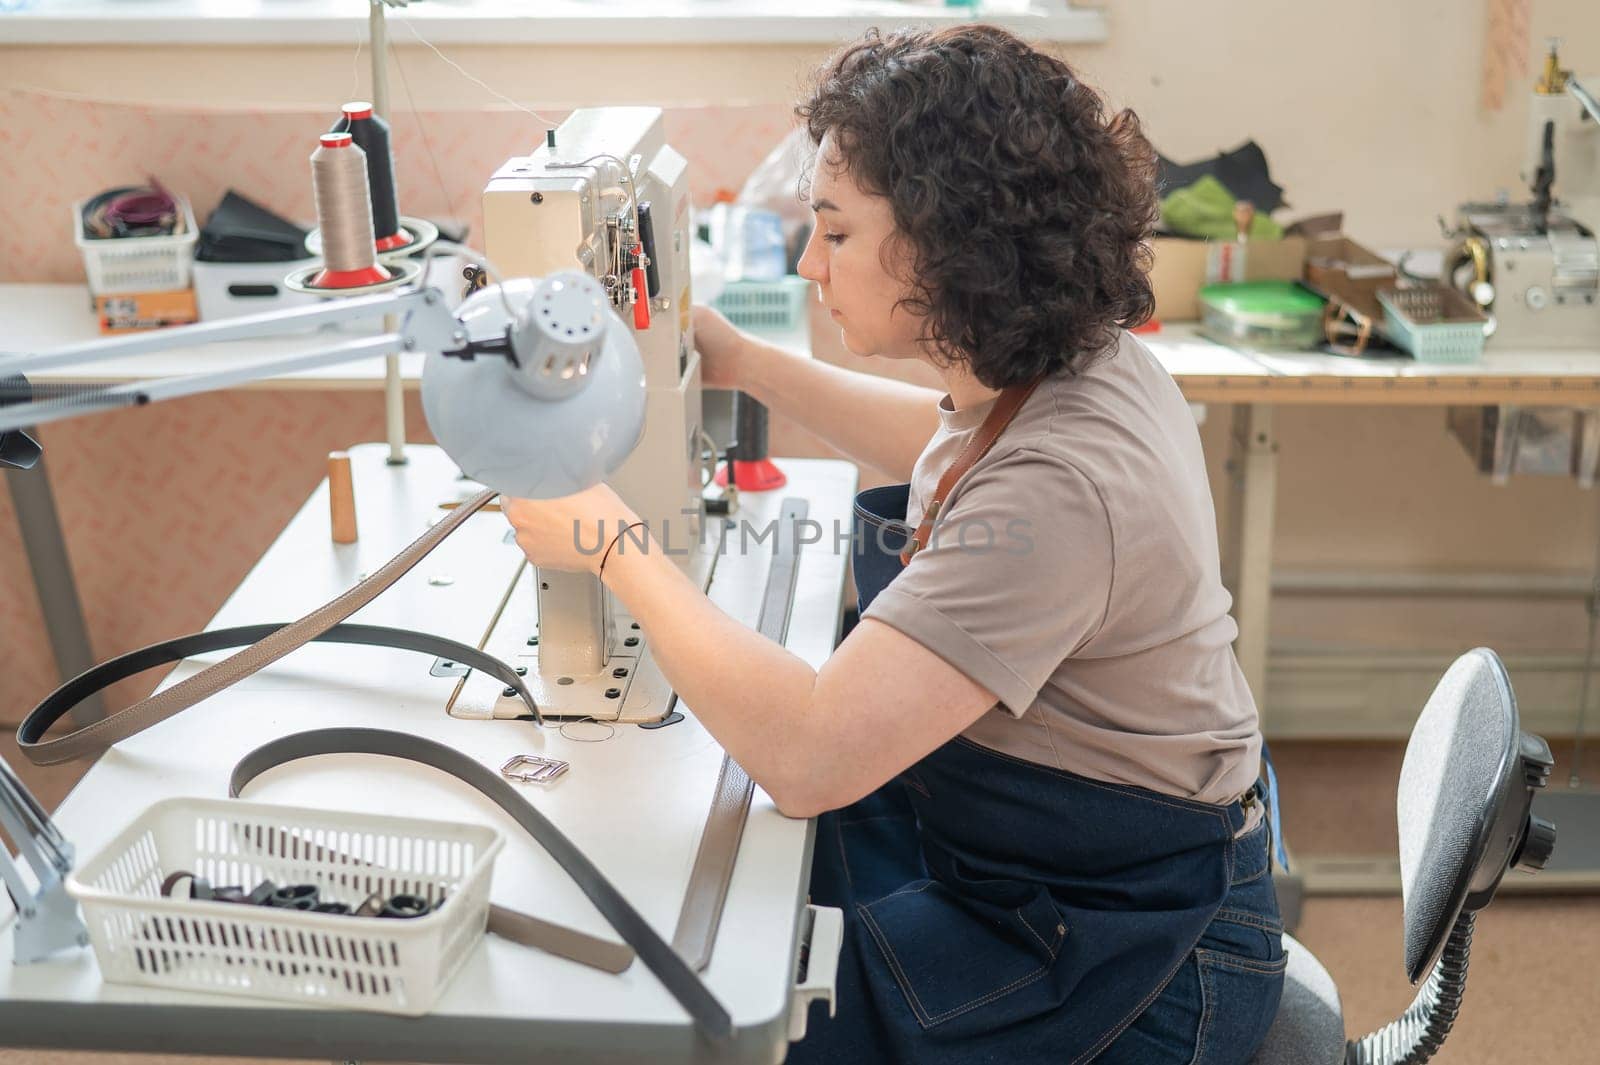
{"x":457,"y":67}
{"x":371,"y":134}
{"x":344,"y":215}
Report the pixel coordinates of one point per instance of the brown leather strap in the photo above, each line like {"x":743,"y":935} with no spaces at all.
{"x":1005,"y":408}
{"x":100,"y":736}
{"x":556,"y":939}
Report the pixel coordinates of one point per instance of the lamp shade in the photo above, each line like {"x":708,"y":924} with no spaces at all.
{"x":562,"y":414}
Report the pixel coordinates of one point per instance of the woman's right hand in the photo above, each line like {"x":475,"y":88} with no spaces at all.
{"x":723,"y":349}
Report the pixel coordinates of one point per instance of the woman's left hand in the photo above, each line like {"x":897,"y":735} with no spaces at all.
{"x":570,"y":533}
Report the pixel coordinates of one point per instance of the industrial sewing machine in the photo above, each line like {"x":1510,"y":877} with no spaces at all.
{"x":606,"y":194}
{"x":1536,"y":266}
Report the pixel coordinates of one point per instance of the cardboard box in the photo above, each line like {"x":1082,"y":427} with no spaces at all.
{"x":133,"y":312}
{"x":1182,"y":266}
{"x":1340,"y":268}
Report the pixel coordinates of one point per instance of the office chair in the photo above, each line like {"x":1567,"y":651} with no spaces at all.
{"x":1466,"y":789}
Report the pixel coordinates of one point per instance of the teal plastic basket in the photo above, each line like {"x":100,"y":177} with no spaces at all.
{"x":1435,"y":324}
{"x":766,"y":306}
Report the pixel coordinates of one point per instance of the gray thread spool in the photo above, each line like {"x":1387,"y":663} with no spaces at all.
{"x":344,"y":214}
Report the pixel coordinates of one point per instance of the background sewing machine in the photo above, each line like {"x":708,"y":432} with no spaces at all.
{"x":1536,"y":266}
{"x":605,"y":193}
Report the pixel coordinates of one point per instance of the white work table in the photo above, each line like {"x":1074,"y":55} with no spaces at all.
{"x":634,"y":803}
{"x":37,"y":317}
{"x":1252,"y":383}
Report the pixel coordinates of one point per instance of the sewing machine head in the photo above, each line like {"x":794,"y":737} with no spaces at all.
{"x":1536,"y":266}
{"x":607,"y":195}
{"x":1538,"y":275}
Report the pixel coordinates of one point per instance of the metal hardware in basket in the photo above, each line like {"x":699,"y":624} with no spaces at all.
{"x":351,"y":962}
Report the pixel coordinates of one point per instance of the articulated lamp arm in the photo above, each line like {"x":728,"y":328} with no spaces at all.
{"x":425,"y":324}
{"x":534,"y":387}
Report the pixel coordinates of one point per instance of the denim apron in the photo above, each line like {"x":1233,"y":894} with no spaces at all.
{"x":1002,"y":911}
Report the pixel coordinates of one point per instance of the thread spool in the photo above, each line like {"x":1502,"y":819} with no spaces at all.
{"x":341,"y":498}
{"x":344,"y":215}
{"x":371,"y":134}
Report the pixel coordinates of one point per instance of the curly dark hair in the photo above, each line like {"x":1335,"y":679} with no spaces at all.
{"x":1025,"y":209}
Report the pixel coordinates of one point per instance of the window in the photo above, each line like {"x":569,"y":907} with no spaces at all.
{"x":632,"y":22}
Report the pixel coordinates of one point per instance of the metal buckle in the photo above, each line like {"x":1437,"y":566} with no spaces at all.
{"x":532,"y":769}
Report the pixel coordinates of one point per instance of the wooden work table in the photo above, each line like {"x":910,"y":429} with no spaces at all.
{"x":1253,"y":383}
{"x":1209,"y":372}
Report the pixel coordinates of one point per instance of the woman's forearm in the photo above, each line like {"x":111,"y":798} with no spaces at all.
{"x":750,"y":692}
{"x":875,"y":420}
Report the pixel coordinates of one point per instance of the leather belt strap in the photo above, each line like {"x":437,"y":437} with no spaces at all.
{"x":703,"y":900}
{"x":62,"y":701}
{"x":675,"y":975}
{"x":1005,"y":408}
{"x":101,"y":735}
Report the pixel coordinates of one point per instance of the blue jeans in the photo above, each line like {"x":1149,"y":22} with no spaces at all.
{"x":1220,"y":1004}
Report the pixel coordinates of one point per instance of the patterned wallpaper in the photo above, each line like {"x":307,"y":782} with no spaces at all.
{"x":56,"y":150}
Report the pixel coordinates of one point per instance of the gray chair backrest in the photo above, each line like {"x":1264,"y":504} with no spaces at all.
{"x":1463,"y":808}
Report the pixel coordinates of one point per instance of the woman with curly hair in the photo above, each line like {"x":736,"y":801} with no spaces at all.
{"x":1034,"y":761}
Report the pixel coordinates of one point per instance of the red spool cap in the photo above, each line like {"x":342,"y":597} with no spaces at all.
{"x":370,"y":275}
{"x":337,"y":140}
{"x":762,"y":475}
{"x":398,"y":239}
{"x":358,"y":110}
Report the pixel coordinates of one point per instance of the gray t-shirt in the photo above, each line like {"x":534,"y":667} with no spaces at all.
{"x":1074,"y":573}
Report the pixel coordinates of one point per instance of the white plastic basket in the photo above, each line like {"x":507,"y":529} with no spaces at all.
{"x":373,"y":963}
{"x":137,"y":264}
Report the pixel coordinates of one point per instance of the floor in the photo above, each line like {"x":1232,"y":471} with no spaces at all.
{"x":1533,"y":987}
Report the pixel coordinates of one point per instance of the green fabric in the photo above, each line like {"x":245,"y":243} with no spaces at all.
{"x":1205,"y":210}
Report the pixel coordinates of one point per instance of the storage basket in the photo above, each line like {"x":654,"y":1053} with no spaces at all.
{"x":386,"y":964}
{"x":1434,"y":323}
{"x":228,"y":290}
{"x":766,"y":306}
{"x":137,"y":264}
